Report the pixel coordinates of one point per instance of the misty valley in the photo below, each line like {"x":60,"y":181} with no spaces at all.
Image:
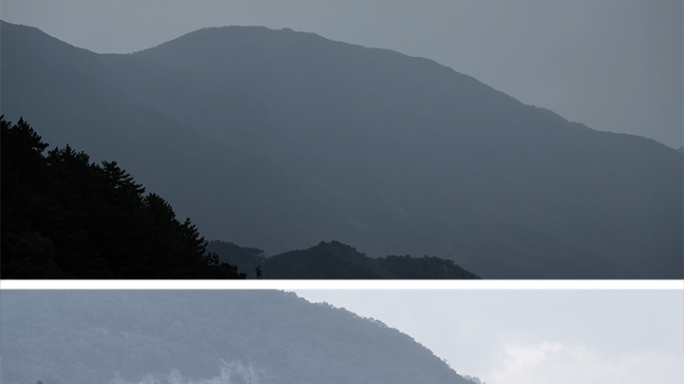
{"x":301,"y":157}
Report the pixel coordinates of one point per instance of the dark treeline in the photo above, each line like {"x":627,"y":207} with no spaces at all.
{"x":335,"y":260}
{"x":65,"y":217}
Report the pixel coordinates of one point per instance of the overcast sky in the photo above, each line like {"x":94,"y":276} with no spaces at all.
{"x":536,"y":336}
{"x":614,"y":65}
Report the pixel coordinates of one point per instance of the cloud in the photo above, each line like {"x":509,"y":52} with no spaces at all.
{"x":549,"y":362}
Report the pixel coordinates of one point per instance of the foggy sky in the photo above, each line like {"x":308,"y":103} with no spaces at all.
{"x":614,"y":65}
{"x":538,"y":336}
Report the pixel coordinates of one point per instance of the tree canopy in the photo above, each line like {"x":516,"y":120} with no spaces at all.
{"x":66,"y":217}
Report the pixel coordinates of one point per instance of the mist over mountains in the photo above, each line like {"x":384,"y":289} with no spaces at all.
{"x":280,"y":140}
{"x":219,"y":337}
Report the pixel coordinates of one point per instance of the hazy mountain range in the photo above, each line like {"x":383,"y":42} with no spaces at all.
{"x":281,"y":139}
{"x":217,"y":337}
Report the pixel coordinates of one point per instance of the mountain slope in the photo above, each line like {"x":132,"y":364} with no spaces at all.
{"x":281,"y":139}
{"x":229,"y":336}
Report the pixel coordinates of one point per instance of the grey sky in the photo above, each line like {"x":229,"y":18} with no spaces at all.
{"x":613,"y":65}
{"x":538,"y":336}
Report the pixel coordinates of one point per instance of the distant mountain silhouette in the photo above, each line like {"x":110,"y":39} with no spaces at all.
{"x":281,"y":139}
{"x":335,"y":260}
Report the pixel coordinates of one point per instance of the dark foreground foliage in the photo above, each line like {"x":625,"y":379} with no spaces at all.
{"x":335,"y":260}
{"x":65,"y":217}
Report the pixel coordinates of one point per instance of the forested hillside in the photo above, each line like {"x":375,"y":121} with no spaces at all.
{"x":184,"y":337}
{"x":65,"y":217}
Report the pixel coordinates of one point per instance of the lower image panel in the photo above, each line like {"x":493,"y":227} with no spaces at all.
{"x":341,"y":336}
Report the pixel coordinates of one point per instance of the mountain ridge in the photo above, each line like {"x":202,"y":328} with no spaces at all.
{"x":374,"y":148}
{"x":334,"y":260}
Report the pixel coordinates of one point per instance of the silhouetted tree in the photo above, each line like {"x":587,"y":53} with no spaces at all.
{"x":65,"y":217}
